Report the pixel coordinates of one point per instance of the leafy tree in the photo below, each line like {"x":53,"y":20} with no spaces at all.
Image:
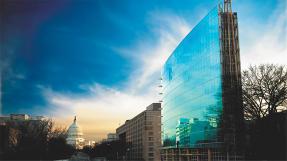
{"x":59,"y":149}
{"x":264,"y":90}
{"x":113,"y":150}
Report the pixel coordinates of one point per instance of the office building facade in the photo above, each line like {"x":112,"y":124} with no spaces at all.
{"x":202,"y":102}
{"x":142,"y":135}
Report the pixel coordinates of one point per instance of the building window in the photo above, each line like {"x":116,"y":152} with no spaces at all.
{"x":150,"y":154}
{"x":148,"y":128}
{"x":149,"y":123}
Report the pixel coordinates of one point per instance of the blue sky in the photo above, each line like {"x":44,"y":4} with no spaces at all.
{"x":99,"y":58}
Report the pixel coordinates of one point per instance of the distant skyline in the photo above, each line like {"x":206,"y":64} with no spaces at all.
{"x":101,"y":59}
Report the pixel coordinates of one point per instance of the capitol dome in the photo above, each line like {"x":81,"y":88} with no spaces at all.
{"x":75,"y":135}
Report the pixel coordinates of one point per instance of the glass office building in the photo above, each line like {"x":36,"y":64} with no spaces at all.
{"x":202,"y":104}
{"x":192,"y":86}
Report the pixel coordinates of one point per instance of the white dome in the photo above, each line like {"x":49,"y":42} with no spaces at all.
{"x":75,"y":135}
{"x":75,"y":129}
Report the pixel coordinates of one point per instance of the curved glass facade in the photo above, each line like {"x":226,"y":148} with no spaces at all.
{"x":192,"y":88}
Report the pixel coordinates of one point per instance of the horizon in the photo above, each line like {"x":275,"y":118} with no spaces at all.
{"x":102,"y":61}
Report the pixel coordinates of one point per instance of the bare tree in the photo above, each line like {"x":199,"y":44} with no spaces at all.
{"x":37,"y":140}
{"x":264,"y":90}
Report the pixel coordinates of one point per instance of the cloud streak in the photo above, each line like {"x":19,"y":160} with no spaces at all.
{"x":101,"y":111}
{"x":265,"y":43}
{"x":103,"y":108}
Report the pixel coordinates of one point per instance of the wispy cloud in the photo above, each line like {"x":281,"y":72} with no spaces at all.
{"x":265,"y":43}
{"x":100,"y":111}
{"x":172,"y":30}
{"x":104,"y":108}
{"x":169,"y":29}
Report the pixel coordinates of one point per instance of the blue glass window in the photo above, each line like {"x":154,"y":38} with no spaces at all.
{"x":192,"y":92}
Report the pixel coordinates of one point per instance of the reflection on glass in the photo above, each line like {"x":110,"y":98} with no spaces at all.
{"x":192,"y":102}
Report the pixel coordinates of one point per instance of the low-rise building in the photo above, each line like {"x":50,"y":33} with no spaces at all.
{"x":142,"y":135}
{"x":112,"y":137}
{"x":90,"y":143}
{"x":20,"y":117}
